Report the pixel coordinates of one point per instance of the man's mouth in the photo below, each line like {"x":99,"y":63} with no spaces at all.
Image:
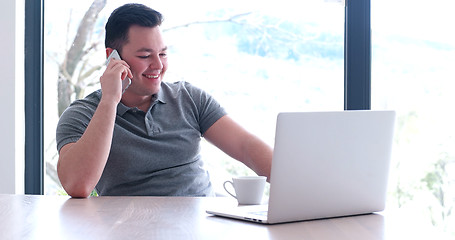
{"x":151,"y":76}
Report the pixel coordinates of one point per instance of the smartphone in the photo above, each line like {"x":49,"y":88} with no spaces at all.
{"x":125,"y":82}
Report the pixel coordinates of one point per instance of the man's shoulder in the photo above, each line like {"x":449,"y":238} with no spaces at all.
{"x":181,"y":86}
{"x":93,"y":97}
{"x":91,"y":101}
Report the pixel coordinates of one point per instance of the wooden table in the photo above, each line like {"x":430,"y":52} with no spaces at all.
{"x":53,"y":217}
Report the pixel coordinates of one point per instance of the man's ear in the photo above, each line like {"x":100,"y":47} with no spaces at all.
{"x":109,"y":51}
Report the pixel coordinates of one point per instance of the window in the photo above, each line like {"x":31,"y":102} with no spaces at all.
{"x":255,"y":58}
{"x":413,"y":49}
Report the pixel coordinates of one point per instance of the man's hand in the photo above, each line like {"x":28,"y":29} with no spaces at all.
{"x":111,"y":80}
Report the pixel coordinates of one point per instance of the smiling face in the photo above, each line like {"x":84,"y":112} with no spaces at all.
{"x":146,"y":54}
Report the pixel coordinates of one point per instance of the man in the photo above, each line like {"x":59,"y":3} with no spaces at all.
{"x":146,"y":140}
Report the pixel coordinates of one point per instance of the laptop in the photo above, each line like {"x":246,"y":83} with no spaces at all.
{"x":325,"y":164}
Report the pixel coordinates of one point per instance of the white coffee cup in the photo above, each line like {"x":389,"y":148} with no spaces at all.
{"x":248,"y":189}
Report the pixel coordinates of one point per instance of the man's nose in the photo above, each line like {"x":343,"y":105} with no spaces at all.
{"x":156,"y":63}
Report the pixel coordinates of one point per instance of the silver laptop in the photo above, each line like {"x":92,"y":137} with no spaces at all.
{"x":325,"y":164}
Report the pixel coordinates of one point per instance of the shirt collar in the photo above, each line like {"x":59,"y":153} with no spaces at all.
{"x":159,"y":97}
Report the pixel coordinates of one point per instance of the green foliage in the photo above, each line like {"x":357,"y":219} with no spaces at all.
{"x":438,"y":182}
{"x":62,"y":192}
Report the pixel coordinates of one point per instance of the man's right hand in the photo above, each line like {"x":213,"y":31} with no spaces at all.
{"x":111,"y":80}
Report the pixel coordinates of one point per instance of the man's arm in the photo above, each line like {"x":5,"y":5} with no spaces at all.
{"x":238,"y":143}
{"x":81,"y":164}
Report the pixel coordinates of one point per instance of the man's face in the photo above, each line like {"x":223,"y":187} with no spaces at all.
{"x":146,"y":54}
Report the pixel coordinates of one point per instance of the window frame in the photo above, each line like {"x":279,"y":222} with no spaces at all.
{"x":357,"y":55}
{"x":34,"y":32}
{"x":357,"y":78}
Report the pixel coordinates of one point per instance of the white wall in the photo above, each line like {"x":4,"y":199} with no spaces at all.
{"x":12,"y":97}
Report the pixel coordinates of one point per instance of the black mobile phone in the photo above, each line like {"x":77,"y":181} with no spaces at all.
{"x":125,"y":82}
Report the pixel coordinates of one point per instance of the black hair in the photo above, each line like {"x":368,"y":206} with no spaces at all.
{"x":123,"y":18}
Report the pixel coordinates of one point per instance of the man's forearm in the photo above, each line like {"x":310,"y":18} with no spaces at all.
{"x":258,"y":156}
{"x":238,"y":143}
{"x":81,"y":163}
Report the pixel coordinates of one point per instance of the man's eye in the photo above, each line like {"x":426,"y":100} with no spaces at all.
{"x":143,"y":57}
{"x":163,"y":54}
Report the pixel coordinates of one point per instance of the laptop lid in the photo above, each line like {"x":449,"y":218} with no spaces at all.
{"x":329,"y":164}
{"x":325,"y":164}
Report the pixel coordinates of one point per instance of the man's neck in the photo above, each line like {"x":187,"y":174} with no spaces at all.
{"x":142,"y":103}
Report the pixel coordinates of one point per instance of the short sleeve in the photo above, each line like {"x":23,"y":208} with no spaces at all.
{"x":209,"y":110}
{"x":73,"y":122}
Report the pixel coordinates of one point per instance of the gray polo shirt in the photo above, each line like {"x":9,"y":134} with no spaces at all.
{"x":153,"y":153}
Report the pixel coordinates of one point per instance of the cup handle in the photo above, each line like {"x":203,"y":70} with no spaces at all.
{"x":232,"y":184}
